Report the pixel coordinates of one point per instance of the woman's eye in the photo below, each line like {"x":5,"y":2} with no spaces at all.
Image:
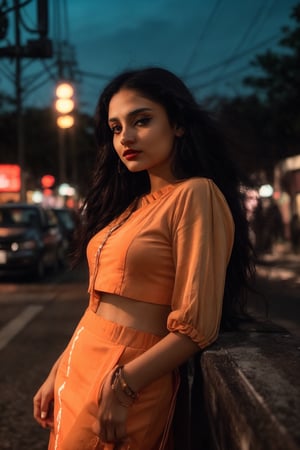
{"x":115,"y":129}
{"x":143,"y":121}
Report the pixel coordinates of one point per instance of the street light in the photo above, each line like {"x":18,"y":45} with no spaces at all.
{"x":64,"y":105}
{"x":66,"y":121}
{"x":64,"y":90}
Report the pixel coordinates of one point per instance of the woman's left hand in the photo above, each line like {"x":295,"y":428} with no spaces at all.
{"x":112,"y":415}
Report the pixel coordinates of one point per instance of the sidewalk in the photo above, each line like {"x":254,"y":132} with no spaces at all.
{"x":281,"y":264}
{"x":278,"y":289}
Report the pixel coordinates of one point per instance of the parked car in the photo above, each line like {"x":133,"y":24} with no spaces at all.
{"x":30,"y":240}
{"x":67,"y":220}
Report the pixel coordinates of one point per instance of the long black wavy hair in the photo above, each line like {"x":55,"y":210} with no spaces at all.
{"x":201,"y":151}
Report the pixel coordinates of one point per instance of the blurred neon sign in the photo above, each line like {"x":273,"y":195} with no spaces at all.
{"x":10,"y":178}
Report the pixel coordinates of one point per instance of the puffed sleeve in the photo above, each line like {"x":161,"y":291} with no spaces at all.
{"x":203,"y":233}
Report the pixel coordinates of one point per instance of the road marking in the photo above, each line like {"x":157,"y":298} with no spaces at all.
{"x":9,"y":331}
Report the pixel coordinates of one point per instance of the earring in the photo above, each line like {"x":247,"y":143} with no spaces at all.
{"x":179,"y":131}
{"x":119,"y":166}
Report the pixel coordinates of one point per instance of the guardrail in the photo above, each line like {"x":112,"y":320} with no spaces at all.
{"x":246,"y":395}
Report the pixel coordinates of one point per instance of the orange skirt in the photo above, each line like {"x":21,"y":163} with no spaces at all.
{"x":96,"y":347}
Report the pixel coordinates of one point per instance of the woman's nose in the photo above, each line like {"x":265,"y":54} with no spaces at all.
{"x":127,"y":137}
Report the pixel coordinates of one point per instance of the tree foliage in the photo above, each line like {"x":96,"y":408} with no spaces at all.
{"x":268,"y":121}
{"x":279,"y":84}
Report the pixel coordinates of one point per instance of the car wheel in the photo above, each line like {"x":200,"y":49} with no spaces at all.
{"x":56,"y":264}
{"x":40,"y":269}
{"x":62,"y":255}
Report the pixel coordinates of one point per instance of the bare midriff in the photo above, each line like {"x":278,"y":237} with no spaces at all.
{"x":147,"y":317}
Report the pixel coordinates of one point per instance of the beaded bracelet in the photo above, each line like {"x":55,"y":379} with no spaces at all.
{"x":122,"y":398}
{"x":118,"y":379}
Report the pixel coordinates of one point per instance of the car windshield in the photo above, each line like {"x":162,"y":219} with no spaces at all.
{"x":18,"y":217}
{"x":66,"y":219}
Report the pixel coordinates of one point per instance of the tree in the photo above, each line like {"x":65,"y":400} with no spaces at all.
{"x":265,"y":126}
{"x":245,"y":122}
{"x":279,"y":87}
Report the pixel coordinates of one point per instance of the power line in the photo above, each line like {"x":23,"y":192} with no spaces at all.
{"x":8,"y":73}
{"x":33,"y":77}
{"x":93,"y":75}
{"x":201,"y":37}
{"x":24,"y":24}
{"x":64,"y":52}
{"x":240,"y":43}
{"x":248,"y":30}
{"x":13,"y":8}
{"x":263,"y":19}
{"x":66,"y":21}
{"x":53,"y":77}
{"x":56,"y":21}
{"x":221,"y":78}
{"x":252,"y":25}
{"x":236,"y":57}
{"x":35,"y":87}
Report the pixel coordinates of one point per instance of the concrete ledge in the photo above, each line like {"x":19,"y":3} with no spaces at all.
{"x":251,"y":386}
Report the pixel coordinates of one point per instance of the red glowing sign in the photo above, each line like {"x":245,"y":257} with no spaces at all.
{"x":47,"y":181}
{"x":10,"y":178}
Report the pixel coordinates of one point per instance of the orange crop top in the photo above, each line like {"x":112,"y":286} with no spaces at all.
{"x":173,"y":250}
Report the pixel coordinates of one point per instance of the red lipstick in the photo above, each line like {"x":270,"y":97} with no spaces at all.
{"x":130,"y":154}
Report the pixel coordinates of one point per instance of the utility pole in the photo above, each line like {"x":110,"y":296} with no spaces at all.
{"x":37,"y":48}
{"x":18,"y":92}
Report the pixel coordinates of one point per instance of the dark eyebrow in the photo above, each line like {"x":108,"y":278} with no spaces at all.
{"x":131,"y":114}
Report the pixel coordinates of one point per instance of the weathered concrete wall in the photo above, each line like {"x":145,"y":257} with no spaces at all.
{"x":251,"y":386}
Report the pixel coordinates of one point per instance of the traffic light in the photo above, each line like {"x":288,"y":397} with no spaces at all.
{"x":64,"y":104}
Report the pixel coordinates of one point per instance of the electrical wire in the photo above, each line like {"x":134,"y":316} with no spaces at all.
{"x":37,"y":76}
{"x":56,"y":21}
{"x":25,"y":26}
{"x":13,"y":8}
{"x":262,"y":20}
{"x":8,"y":73}
{"x":66,"y":20}
{"x":221,"y":78}
{"x":201,"y":37}
{"x":248,"y":30}
{"x":252,"y":25}
{"x":34,"y":88}
{"x":47,"y":68}
{"x":33,"y":77}
{"x":61,"y":21}
{"x":236,"y":57}
{"x":93,"y":75}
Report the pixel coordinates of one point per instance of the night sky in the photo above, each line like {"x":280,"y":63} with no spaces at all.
{"x":206,"y":42}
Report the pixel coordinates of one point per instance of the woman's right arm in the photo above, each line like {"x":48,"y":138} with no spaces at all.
{"x":43,"y":399}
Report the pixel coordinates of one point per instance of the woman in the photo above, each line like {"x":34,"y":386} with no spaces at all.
{"x":168,"y":254}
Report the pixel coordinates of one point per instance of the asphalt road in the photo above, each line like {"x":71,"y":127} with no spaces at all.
{"x":37,"y":320}
{"x":27,"y":357}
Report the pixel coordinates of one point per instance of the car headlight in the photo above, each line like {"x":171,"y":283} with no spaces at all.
{"x":26,"y":245}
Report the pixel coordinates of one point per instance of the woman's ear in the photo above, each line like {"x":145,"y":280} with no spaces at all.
{"x":179,"y":131}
